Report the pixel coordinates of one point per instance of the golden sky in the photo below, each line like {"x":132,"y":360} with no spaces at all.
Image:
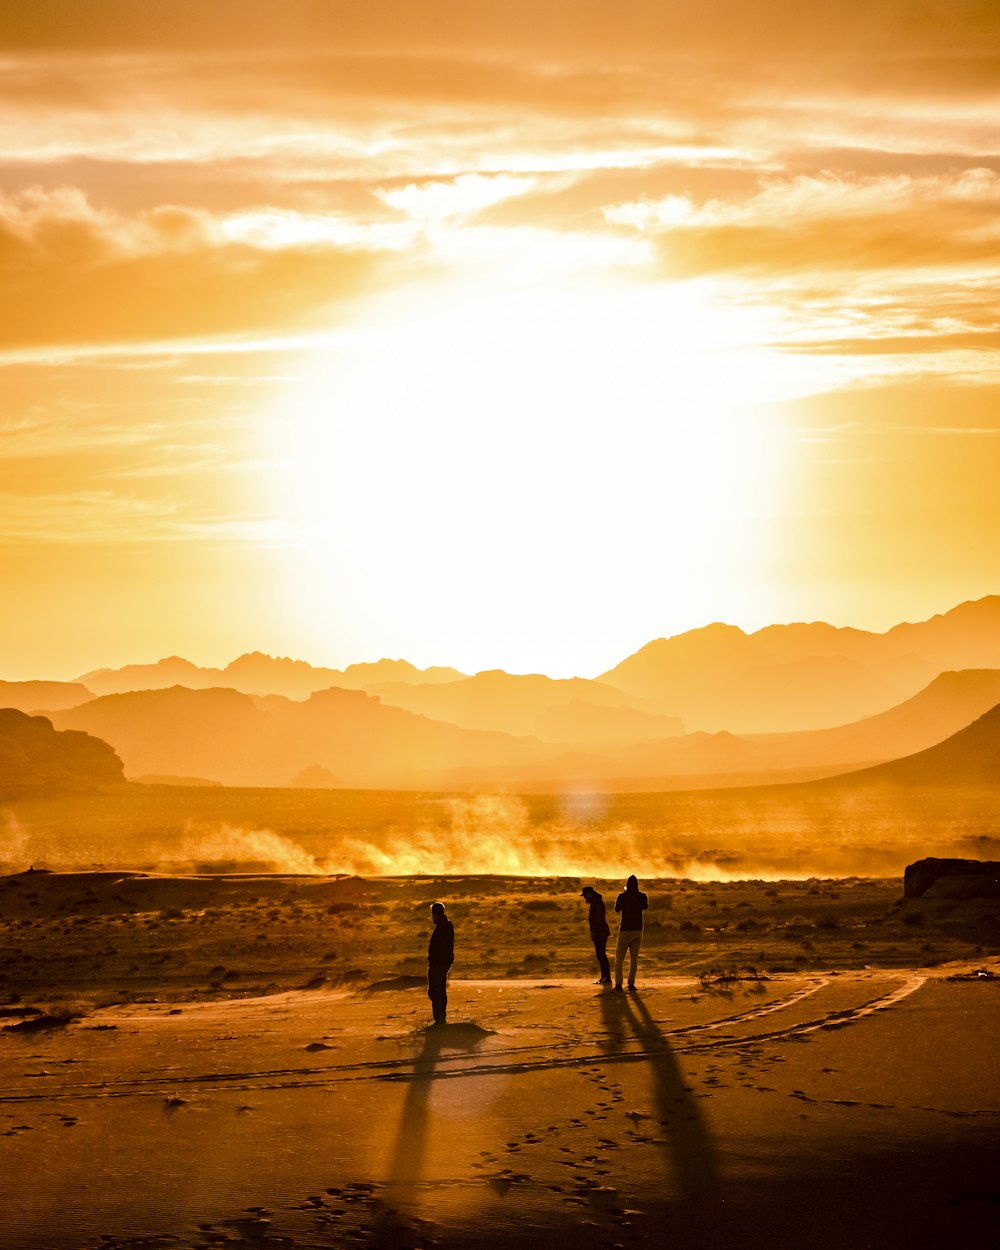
{"x":491,"y":334}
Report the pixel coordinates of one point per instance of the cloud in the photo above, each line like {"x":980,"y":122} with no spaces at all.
{"x":388,"y":81}
{"x":101,"y":516}
{"x":61,"y":429}
{"x":901,"y":344}
{"x":72,"y":273}
{"x":828,"y":223}
{"x":459,"y":197}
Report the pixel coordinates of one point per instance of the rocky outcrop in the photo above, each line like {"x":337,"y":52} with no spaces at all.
{"x":953,"y":878}
{"x":35,"y":758}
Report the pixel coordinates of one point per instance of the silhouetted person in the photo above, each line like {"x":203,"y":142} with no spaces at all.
{"x":440,"y":957}
{"x":630,"y":905}
{"x":599,"y":931}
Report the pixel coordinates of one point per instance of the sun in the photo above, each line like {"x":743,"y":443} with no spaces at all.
{"x":499,"y":442}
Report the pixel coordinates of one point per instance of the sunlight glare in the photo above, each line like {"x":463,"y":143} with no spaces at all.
{"x":556,"y":431}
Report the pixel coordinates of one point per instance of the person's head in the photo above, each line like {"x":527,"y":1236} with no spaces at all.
{"x":632,"y":883}
{"x":588,"y":892}
{"x":437,"y":911}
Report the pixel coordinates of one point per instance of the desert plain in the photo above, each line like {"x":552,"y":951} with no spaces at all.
{"x":244,"y":1058}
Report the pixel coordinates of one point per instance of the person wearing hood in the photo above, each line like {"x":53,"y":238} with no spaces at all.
{"x":440,"y":957}
{"x":599,"y":931}
{"x":630,"y":905}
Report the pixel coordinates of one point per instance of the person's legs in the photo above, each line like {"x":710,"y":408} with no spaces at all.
{"x":635,"y":941}
{"x":437,"y":992}
{"x":620,"y":947}
{"x":600,"y":950}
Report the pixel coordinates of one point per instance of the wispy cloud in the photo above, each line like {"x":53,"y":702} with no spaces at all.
{"x":829,"y":222}
{"x":79,"y":274}
{"x":98,"y":517}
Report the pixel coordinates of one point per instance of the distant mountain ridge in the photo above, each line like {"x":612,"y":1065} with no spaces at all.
{"x":346,"y":736}
{"x":794,"y":677}
{"x":554,"y":709}
{"x":260,"y":674}
{"x":804,"y":676}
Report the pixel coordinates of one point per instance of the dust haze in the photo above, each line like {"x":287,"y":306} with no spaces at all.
{"x":781,"y":833}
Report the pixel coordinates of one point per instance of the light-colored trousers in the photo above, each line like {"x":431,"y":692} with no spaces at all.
{"x":628,"y":940}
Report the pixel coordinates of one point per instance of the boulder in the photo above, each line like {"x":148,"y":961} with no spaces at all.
{"x":920,"y":876}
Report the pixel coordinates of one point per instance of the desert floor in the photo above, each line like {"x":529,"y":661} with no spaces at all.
{"x":246,"y":1062}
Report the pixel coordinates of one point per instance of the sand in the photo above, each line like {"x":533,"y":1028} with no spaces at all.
{"x":813,"y":1107}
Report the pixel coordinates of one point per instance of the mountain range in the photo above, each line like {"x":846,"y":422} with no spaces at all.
{"x":400,"y":726}
{"x":350,"y":738}
{"x":225,"y":735}
{"x":804,"y":676}
{"x":256,"y":673}
{"x":778,"y":679}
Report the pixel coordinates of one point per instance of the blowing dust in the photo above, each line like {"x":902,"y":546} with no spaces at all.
{"x":497,"y":835}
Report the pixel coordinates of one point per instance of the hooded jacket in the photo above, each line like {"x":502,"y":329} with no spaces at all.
{"x":631,"y":903}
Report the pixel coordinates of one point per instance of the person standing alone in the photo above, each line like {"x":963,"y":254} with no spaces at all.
{"x":630,"y":905}
{"x":599,"y":931}
{"x":440,"y":957}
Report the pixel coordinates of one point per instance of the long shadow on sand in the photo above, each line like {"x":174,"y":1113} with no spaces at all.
{"x":409,"y":1148}
{"x":691,"y":1155}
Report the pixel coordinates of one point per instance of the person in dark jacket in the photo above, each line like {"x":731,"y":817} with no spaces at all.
{"x":599,"y":931}
{"x":630,"y":905}
{"x":440,"y":957}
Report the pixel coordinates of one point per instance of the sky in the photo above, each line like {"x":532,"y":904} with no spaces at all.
{"x":491,"y":334}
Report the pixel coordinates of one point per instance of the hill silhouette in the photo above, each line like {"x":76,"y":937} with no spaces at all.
{"x":970,"y":757}
{"x":782,"y":678}
{"x":949,"y":703}
{"x":580,"y":721}
{"x":252,"y":739}
{"x":35,"y":757}
{"x":803,"y":676}
{"x":315,"y":777}
{"x":703,"y":760}
{"x":43,"y":696}
{"x":557,"y":710}
{"x":228,"y":736}
{"x":257,"y":673}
